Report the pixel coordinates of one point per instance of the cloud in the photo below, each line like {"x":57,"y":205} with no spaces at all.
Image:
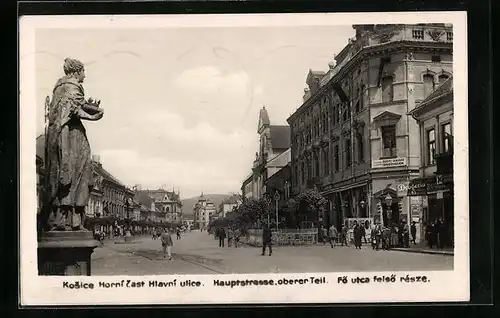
{"x":211,"y":80}
{"x":166,"y":150}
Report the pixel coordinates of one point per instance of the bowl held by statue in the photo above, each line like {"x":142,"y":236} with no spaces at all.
{"x":92,"y":109}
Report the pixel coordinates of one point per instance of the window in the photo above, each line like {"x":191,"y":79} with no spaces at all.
{"x":303,"y":172}
{"x":387,"y":92}
{"x":361,"y":152}
{"x":431,"y":146}
{"x":326,"y":162}
{"x":316,"y":164}
{"x":309,"y":168}
{"x":447,"y":138}
{"x":389,"y":141}
{"x":442,"y":79}
{"x":347,"y":153}
{"x":428,"y":84}
{"x":336,"y":157}
{"x":436,"y":58}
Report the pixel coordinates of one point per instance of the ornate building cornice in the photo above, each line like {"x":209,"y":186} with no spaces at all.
{"x":371,"y":51}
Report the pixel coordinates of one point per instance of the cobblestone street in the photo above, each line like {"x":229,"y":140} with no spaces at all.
{"x":198,"y":253}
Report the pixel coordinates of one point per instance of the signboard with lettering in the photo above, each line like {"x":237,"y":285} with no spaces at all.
{"x":415,"y":187}
{"x":389,"y":163}
{"x":435,"y":188}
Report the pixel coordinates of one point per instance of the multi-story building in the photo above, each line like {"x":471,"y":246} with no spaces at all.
{"x":168,"y":202}
{"x":113,"y":201}
{"x":247,"y":187}
{"x":274,"y":141}
{"x":229,"y":204}
{"x":203,"y":211}
{"x":165,"y":205}
{"x":435,"y":185}
{"x":353,"y":137}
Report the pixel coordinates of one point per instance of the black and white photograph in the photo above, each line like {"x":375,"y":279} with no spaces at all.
{"x":244,"y":158}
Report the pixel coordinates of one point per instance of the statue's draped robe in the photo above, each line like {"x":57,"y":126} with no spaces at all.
{"x":68,"y":157}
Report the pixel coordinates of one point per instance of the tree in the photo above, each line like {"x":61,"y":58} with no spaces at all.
{"x":311,"y":204}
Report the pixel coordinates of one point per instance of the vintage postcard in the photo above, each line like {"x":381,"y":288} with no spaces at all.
{"x":273,"y":159}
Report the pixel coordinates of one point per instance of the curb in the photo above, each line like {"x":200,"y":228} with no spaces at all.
{"x":444,"y":253}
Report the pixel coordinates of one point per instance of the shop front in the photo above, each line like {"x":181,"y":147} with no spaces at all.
{"x":431,"y":203}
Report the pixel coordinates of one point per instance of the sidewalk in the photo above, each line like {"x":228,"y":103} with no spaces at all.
{"x":424,"y":249}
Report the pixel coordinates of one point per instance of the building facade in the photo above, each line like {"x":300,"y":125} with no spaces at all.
{"x":352,"y":137}
{"x":204,"y":210}
{"x":274,"y":140}
{"x":165,"y":206}
{"x":113,"y":201}
{"x":229,"y":204}
{"x":435,"y":118}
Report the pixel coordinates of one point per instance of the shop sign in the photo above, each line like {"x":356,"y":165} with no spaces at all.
{"x":389,"y":163}
{"x":415,"y":187}
{"x":437,"y":187}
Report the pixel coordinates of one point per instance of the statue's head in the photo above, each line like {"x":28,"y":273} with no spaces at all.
{"x":74,"y":68}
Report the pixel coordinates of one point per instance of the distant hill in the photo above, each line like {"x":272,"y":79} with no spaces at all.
{"x":188,"y":204}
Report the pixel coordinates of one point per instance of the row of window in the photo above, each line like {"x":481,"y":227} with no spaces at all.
{"x":319,"y":161}
{"x":446,"y":142}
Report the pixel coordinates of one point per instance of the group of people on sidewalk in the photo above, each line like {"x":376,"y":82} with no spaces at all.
{"x":233,"y":238}
{"x":232,"y":235}
{"x":438,"y":234}
{"x":381,"y":237}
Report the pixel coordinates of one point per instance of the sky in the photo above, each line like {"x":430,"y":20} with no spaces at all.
{"x":181,"y":105}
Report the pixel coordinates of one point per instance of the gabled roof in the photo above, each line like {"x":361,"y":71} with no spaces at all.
{"x":444,"y":89}
{"x":280,"y":137}
{"x":386,"y":115}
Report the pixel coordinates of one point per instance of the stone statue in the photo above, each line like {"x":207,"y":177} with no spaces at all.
{"x":68,"y":166}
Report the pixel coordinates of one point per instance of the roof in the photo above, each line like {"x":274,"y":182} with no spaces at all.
{"x":107,"y":176}
{"x":445,"y":88}
{"x":234,"y":199}
{"x":143,"y":198}
{"x":148,"y":196}
{"x":280,"y":137}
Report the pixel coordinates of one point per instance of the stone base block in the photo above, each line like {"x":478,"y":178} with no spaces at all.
{"x":66,"y":253}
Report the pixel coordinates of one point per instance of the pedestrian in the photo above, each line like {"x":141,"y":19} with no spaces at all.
{"x":324,"y":234}
{"x":413,"y":231}
{"x":406,"y":235}
{"x":178,"y":233}
{"x":333,"y":235}
{"x":236,"y":238}
{"x":222,"y":236}
{"x":167,"y":243}
{"x":386,"y":238}
{"x":357,"y":233}
{"x":229,"y":237}
{"x":343,"y":236}
{"x":373,"y":236}
{"x":362,"y":232}
{"x":267,"y":238}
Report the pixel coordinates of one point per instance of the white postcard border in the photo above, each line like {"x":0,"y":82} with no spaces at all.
{"x":44,"y":291}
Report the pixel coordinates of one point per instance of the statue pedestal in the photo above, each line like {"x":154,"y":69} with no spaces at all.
{"x":65,"y":253}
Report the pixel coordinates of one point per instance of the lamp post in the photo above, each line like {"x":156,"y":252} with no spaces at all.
{"x":388,"y":203}
{"x":276,"y":199}
{"x":267,"y":199}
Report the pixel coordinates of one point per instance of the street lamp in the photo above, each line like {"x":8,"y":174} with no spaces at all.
{"x":267,"y":199}
{"x":388,"y":203}
{"x":276,"y":198}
